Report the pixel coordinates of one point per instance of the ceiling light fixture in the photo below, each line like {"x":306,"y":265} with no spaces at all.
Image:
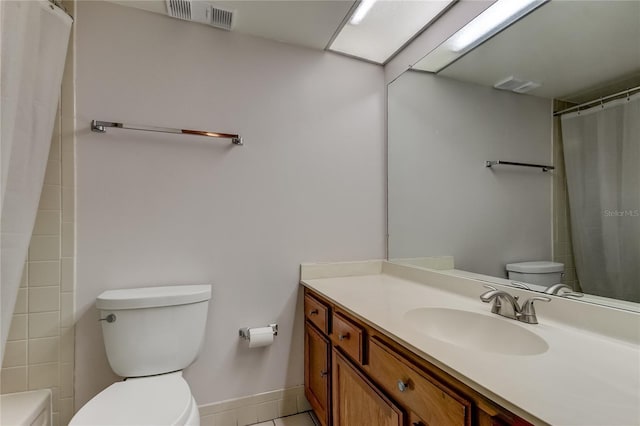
{"x":388,"y":26}
{"x":499,"y":15}
{"x":494,"y":19}
{"x":361,"y":11}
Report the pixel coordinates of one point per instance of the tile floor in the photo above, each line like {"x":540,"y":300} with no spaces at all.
{"x":303,"y":419}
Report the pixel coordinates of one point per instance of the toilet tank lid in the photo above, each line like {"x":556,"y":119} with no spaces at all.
{"x":153,"y":297}
{"x":538,"y":267}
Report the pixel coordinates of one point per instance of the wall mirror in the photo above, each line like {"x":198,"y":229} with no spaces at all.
{"x":558,"y":87}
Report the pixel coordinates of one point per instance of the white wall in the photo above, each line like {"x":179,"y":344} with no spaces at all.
{"x":442,"y":200}
{"x":158,"y":209}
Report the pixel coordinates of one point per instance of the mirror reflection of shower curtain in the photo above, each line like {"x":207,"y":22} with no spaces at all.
{"x":602,"y":160}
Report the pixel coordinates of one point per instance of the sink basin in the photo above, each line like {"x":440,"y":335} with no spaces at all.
{"x":471,"y":330}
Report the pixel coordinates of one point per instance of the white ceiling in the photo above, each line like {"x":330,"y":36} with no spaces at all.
{"x":568,"y":46}
{"x":309,"y":23}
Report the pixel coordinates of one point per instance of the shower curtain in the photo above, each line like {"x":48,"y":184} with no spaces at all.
{"x":602,"y":159}
{"x":33,"y":40}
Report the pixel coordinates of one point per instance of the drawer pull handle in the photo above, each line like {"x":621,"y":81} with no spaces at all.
{"x":417,"y":424}
{"x":343,"y":336}
{"x":402,"y":386}
{"x":314,"y":312}
{"x":324,"y":373}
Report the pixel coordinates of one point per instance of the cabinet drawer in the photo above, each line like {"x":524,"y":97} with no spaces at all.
{"x":435,"y":404}
{"x":348,"y":336}
{"x":316,"y":312}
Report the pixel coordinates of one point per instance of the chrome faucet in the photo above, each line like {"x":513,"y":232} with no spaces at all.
{"x":504,"y":304}
{"x":528,"y":312}
{"x":557,"y":288}
{"x":507,"y":305}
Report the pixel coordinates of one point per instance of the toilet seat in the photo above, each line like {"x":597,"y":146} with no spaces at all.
{"x":157,"y":400}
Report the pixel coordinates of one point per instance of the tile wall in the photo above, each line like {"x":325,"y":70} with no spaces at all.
{"x":40,"y":346}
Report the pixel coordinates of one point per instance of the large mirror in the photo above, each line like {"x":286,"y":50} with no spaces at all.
{"x":556,"y":92}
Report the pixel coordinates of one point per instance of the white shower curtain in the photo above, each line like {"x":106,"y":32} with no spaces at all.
{"x":602,"y":158}
{"x":34,"y":40}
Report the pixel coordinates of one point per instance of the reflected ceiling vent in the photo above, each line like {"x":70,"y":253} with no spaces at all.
{"x":516,"y":85}
{"x":201,"y":12}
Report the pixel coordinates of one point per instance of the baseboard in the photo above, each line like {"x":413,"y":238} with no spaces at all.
{"x":255,"y":408}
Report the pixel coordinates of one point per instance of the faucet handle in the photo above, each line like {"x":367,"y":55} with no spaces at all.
{"x":528,"y":304}
{"x":491,"y":291}
{"x":528,"y":311}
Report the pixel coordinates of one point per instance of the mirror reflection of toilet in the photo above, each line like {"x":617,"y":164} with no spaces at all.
{"x":150,"y":335}
{"x":538,"y":275}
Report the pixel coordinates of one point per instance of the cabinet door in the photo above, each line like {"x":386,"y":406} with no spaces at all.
{"x":357,"y":401}
{"x":317,"y":352}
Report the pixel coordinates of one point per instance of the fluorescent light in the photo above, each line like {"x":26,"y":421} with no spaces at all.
{"x":387,"y":27}
{"x":363,"y":8}
{"x":494,"y":19}
{"x":489,"y":22}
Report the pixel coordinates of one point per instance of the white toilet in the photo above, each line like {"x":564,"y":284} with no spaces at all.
{"x":541,"y":274}
{"x":150,"y":335}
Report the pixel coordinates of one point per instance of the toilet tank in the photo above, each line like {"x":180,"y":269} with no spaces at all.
{"x":153,"y":330}
{"x":542,"y":273}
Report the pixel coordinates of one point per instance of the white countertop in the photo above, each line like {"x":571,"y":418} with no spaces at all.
{"x":584,"y":378}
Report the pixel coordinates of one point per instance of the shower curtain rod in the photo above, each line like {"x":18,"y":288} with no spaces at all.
{"x":100,"y":127}
{"x":599,"y":100}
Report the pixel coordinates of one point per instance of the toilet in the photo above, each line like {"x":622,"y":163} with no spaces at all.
{"x":150,"y":335}
{"x":542,"y":274}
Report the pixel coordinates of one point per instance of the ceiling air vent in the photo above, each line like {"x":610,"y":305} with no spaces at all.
{"x":201,"y":12}
{"x":516,"y":85}
{"x":527,"y":87}
{"x":509,"y":83}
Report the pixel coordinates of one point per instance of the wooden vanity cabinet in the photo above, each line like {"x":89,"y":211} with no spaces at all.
{"x":356,"y":376}
{"x":435,"y":403}
{"x":317,"y":372}
{"x":357,"y":401}
{"x":317,"y":361}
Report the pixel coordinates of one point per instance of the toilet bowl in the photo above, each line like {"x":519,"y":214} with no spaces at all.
{"x":159,"y":400}
{"x":150,"y":335}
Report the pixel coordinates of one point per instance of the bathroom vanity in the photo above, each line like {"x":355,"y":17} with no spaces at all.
{"x":393,"y":345}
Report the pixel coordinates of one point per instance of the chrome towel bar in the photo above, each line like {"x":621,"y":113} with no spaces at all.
{"x":100,"y":127}
{"x":511,"y":163}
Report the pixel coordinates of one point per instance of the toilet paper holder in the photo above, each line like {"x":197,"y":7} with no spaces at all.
{"x":244,"y":331}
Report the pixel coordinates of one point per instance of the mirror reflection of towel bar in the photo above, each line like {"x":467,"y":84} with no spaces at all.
{"x":100,"y":127}
{"x":511,"y":163}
